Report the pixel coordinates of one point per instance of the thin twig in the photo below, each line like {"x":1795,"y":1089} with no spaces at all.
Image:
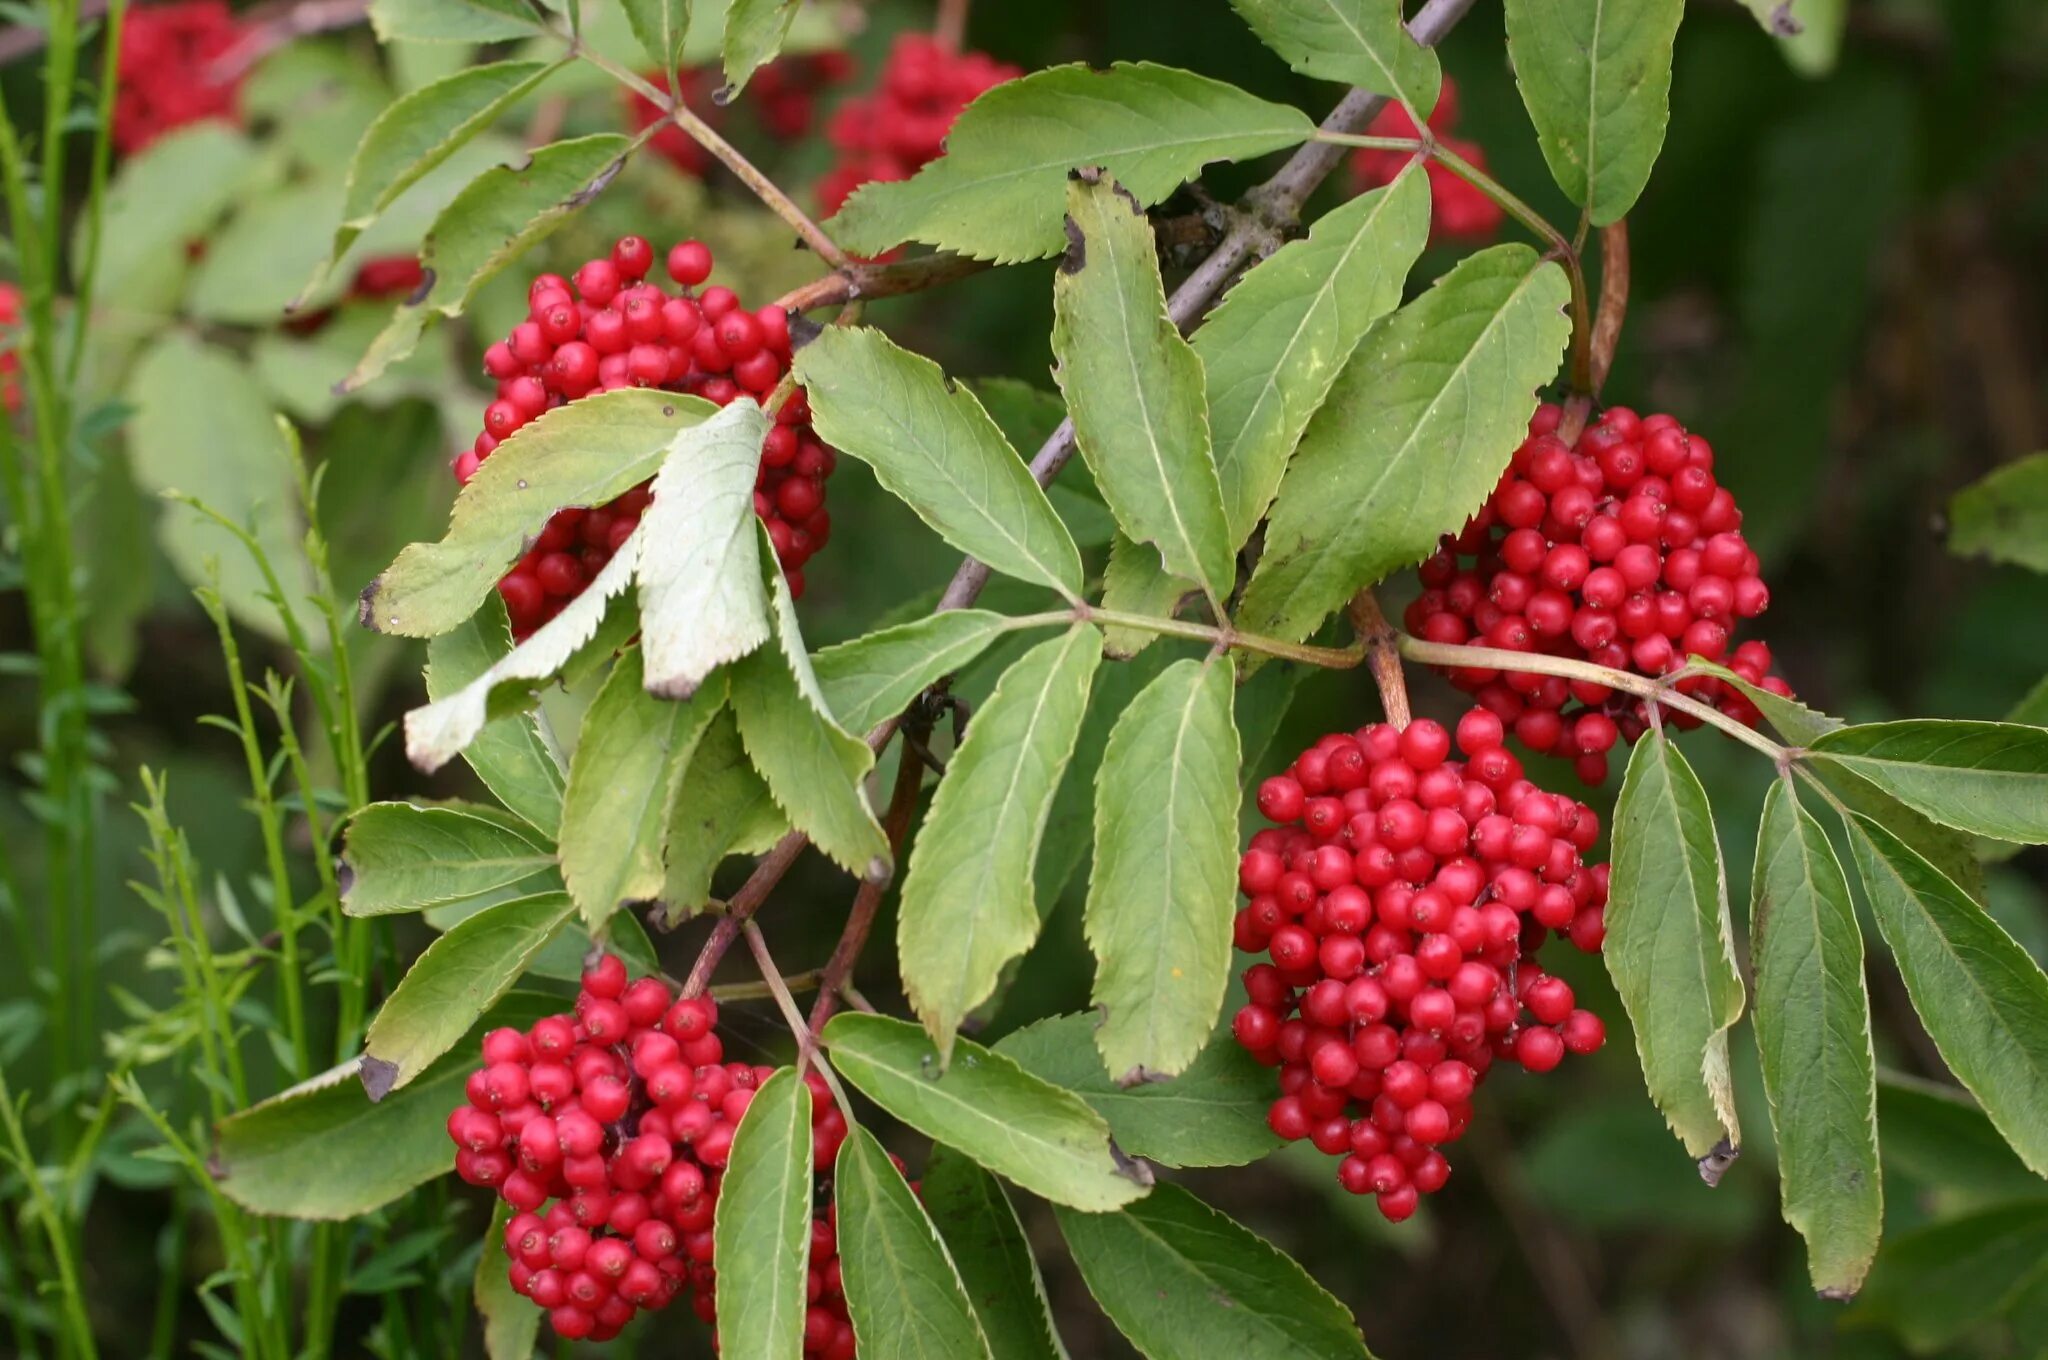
{"x":859,"y":281}
{"x":743,"y":904}
{"x":867,"y":899}
{"x":806,"y":1041}
{"x":270,"y":27}
{"x":1382,"y":655}
{"x":949,"y":30}
{"x":1659,"y":691}
{"x":1613,"y":308}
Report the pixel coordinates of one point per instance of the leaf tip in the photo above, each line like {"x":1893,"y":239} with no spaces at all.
{"x":378,"y":1076}
{"x":1136,"y":1170}
{"x":1715,"y":1164}
{"x":1836,"y":1293}
{"x":366,"y":604}
{"x":1076,"y":257}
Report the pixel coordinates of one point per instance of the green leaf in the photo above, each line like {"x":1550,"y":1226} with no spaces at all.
{"x":1070,"y":828}
{"x":1987,"y":777}
{"x":979,"y":1225}
{"x":1949,"y":851}
{"x":702,"y":599}
{"x":1009,"y":1121}
{"x":459,"y":977}
{"x":1164,"y":888}
{"x":165,"y":196}
{"x":469,"y":21}
{"x":1939,"y":1136}
{"x":1282,"y":334}
{"x":1792,"y":720}
{"x":1136,"y":582}
{"x":870,"y":679}
{"x":1212,"y":1114}
{"x":902,"y":1290}
{"x":623,"y":778}
{"x":422,"y":129}
{"x":406,"y":856}
{"x":995,"y":194}
{"x":661,"y":26}
{"x":968,"y":901}
{"x":324,"y":1150}
{"x":754,"y":33}
{"x":762,"y":1232}
{"x":1936,"y":1284}
{"x":203,"y":429}
{"x":511,"y":1323}
{"x":1813,"y":1033}
{"x":1983,"y":1001}
{"x":1596,"y":76}
{"x":436,"y":733}
{"x":1135,"y":389}
{"x":1412,"y":437}
{"x":1357,"y":42}
{"x":1668,"y":945}
{"x":255,"y":258}
{"x":812,"y":765}
{"x":2004,"y":516}
{"x":582,"y":454}
{"x":1185,"y":1282}
{"x":723,"y":808}
{"x":933,"y":445}
{"x":510,"y":755}
{"x":502,"y":213}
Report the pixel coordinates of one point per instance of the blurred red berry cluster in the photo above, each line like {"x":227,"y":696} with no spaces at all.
{"x":165,"y":71}
{"x":782,"y":97}
{"x":893,"y":131}
{"x":1458,"y":211}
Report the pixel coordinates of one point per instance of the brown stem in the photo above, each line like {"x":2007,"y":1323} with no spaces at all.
{"x":1382,"y":656}
{"x":1613,"y":308}
{"x":867,"y":901}
{"x":743,"y":905}
{"x":266,"y":28}
{"x":949,"y":30}
{"x":864,"y":281}
{"x":806,"y":1041}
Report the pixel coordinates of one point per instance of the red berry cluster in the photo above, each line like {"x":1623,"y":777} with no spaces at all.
{"x":10,"y":362}
{"x":1458,"y":211}
{"x":608,"y":1132}
{"x":783,"y":96}
{"x":1622,"y":550}
{"x":165,"y":70}
{"x":613,"y":327}
{"x":1402,"y":897}
{"x":890,"y":133}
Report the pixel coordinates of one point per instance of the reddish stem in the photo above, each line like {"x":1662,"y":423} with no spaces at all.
{"x":868,"y":900}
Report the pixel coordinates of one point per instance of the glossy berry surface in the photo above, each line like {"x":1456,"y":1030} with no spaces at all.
{"x":1458,"y":211}
{"x":613,"y":324}
{"x":1621,"y":549}
{"x":607,"y":1130}
{"x":166,"y":74}
{"x":1401,"y":898}
{"x":891,"y":132}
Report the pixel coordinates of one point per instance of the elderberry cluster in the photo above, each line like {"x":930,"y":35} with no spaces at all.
{"x":1622,"y":550}
{"x":613,"y":327}
{"x":1402,"y":897}
{"x":892,"y":132}
{"x":608,"y":1131}
{"x":1458,"y":211}
{"x":783,"y":96}
{"x":10,"y":362}
{"x":165,"y":77}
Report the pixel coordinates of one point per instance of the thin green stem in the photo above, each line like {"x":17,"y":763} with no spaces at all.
{"x":1659,"y":692}
{"x":1332,"y":658}
{"x":78,"y":1331}
{"x":807,"y":1050}
{"x":1560,"y":245}
{"x":728,"y":155}
{"x":1414,"y":146}
{"x":102,"y":158}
